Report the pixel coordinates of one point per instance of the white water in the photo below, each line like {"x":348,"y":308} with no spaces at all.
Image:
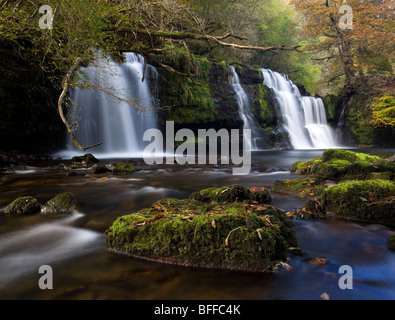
{"x":24,"y":251}
{"x":244,"y":108}
{"x":117,"y":124}
{"x":304,"y":117}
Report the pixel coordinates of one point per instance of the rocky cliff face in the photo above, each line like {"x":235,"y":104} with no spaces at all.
{"x":210,"y":102}
{"x":29,"y":120}
{"x":354,"y":111}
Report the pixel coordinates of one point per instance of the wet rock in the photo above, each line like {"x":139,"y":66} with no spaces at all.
{"x":343,"y":164}
{"x":391,"y":243}
{"x":296,"y":251}
{"x":209,"y":234}
{"x":75,"y":173}
{"x":232,"y":194}
{"x":370,"y":200}
{"x":63,"y":203}
{"x":123,"y":169}
{"x":308,"y":187}
{"x":6,"y":180}
{"x":88,"y":158}
{"x":23,"y":206}
{"x":100,"y":169}
{"x":85,"y":161}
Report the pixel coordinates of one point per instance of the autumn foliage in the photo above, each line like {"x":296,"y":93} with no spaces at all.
{"x":369,"y":30}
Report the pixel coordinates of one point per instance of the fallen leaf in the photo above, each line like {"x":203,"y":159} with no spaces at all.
{"x":325,"y":296}
{"x":318,"y":261}
{"x":213,"y":224}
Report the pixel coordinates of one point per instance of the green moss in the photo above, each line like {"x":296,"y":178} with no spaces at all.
{"x":210,"y":234}
{"x":63,"y":203}
{"x":231,"y":194}
{"x":380,"y":176}
{"x":370,"y":200}
{"x":123,"y":168}
{"x":187,"y":100}
{"x":23,"y":206}
{"x":267,"y":117}
{"x":308,"y":187}
{"x":331,"y":103}
{"x":304,"y":168}
{"x":224,"y":66}
{"x":337,"y":164}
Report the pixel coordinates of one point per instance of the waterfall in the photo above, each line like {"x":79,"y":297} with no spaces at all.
{"x":101,"y":117}
{"x":304,"y":117}
{"x":244,"y":109}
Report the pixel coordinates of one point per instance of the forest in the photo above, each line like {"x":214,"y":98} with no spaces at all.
{"x":306,"y":86}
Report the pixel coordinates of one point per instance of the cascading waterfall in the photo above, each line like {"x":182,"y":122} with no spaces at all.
{"x":244,"y":109}
{"x":101,"y":117}
{"x":304,"y":117}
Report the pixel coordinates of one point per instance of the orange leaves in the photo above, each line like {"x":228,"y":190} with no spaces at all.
{"x":318,"y":261}
{"x":257,"y":189}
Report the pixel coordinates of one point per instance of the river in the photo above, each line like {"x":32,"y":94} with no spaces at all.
{"x":75,"y":246}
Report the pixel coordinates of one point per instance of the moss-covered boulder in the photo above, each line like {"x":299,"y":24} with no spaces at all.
{"x":308,"y":187}
{"x":63,"y":203}
{"x":343,"y":164}
{"x":123,"y":168}
{"x":391,"y":243}
{"x":24,"y":206}
{"x":86,"y":160}
{"x":242,"y":236}
{"x":370,"y":200}
{"x":232,"y":194}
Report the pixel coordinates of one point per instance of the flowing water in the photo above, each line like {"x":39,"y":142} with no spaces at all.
{"x":75,"y":246}
{"x":104,"y":118}
{"x":245,"y":110}
{"x":304,"y":117}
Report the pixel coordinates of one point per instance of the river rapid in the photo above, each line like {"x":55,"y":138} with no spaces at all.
{"x":82,"y":269}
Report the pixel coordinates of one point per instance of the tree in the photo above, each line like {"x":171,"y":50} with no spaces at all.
{"x":82,"y":28}
{"x":369,"y":26}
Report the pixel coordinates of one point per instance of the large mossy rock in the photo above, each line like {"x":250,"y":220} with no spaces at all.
{"x":23,"y":206}
{"x":244,"y":236}
{"x":63,"y":204}
{"x":370,"y":200}
{"x":344,"y":164}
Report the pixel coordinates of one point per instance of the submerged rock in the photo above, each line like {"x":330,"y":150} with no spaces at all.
{"x":211,"y":233}
{"x":24,"y":206}
{"x":100,"y":169}
{"x":63,"y":203}
{"x":123,"y":168}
